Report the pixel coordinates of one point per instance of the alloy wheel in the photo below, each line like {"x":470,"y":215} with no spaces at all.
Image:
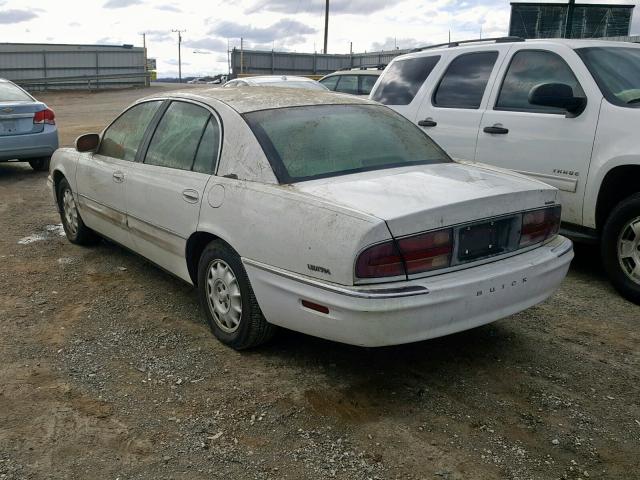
{"x":629,"y":249}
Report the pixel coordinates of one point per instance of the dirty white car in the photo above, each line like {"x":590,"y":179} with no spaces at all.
{"x":319,"y":212}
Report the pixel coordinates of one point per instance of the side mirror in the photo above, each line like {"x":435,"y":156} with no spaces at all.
{"x":558,"y":95}
{"x":88,"y":142}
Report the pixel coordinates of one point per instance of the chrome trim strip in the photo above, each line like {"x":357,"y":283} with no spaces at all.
{"x":370,"y":293}
{"x":106,"y":213}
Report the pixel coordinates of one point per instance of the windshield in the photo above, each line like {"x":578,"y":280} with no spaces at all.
{"x":617,"y":72}
{"x":10,"y":93}
{"x":304,"y":143}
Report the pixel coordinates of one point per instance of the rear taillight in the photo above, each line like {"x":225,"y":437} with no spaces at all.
{"x":539,"y":225}
{"x":426,"y":252}
{"x":45,"y":116}
{"x":407,"y":256}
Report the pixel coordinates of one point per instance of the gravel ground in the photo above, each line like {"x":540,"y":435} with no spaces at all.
{"x":108,"y":371}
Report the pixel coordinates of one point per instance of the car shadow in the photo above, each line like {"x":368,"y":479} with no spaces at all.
{"x":12,"y":171}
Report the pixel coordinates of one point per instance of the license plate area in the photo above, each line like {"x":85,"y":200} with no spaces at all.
{"x":486,"y":239}
{"x":8,"y":127}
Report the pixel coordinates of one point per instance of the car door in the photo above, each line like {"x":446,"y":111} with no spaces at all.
{"x":451,"y":113}
{"x":543,"y":142}
{"x":165,"y":191}
{"x":102,"y":176}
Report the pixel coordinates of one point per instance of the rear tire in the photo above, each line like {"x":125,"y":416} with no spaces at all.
{"x":230,"y":306}
{"x":77,"y":232}
{"x":40,"y":164}
{"x":620,"y":248}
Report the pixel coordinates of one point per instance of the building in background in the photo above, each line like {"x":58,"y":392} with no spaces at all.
{"x":569,"y":20}
{"x":40,"y":66}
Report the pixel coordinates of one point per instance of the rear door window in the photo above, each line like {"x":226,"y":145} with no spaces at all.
{"x":348,"y":84}
{"x":529,"y":68}
{"x":465,"y":81}
{"x":123,"y":137}
{"x":402,"y":79}
{"x":330,"y":82}
{"x":366,"y":83}
{"x":207,"y":153}
{"x":176,"y":139}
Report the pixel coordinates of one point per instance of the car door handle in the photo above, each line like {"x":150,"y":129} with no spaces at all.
{"x":118,"y":176}
{"x":190,"y":195}
{"x":427,"y":122}
{"x":496,"y":130}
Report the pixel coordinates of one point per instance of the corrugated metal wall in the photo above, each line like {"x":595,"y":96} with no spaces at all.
{"x":256,"y":62}
{"x":52,"y":66}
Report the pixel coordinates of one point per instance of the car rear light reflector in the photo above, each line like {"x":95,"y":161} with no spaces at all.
{"x":45,"y":116}
{"x":539,"y":225}
{"x":427,"y":251}
{"x":315,"y":306}
{"x":381,"y":260}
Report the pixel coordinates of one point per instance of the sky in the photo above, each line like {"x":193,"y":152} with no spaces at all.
{"x":283,"y":25}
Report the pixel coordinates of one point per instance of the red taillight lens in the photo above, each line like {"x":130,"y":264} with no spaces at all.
{"x":45,"y":116}
{"x":428,"y":251}
{"x":381,"y":260}
{"x":539,"y":225}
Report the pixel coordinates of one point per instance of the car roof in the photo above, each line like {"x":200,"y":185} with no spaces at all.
{"x":276,"y":78}
{"x":355,"y":71}
{"x":244,"y":100}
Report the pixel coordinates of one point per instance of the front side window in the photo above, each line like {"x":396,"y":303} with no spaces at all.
{"x":123,"y":137}
{"x":402,"y":79}
{"x":12,"y":93}
{"x":529,"y":68}
{"x":616,"y":71}
{"x":348,"y":84}
{"x":366,"y":83}
{"x":176,"y":139}
{"x":330,"y":82}
{"x":303,"y":143}
{"x":465,"y":81}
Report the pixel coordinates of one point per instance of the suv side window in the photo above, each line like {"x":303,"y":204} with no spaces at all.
{"x":529,"y":68}
{"x":465,"y":81}
{"x":330,"y":82}
{"x":123,"y":137}
{"x":402,"y":79}
{"x":176,"y":139}
{"x":348,"y":84}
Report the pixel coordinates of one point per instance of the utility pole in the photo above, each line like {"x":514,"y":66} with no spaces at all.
{"x":326,"y":26}
{"x":241,"y":55}
{"x":569,"y":25}
{"x":147,"y":80}
{"x":179,"y":32}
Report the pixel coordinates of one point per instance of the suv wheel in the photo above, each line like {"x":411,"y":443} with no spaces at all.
{"x":621,"y":248}
{"x":231,"y":308}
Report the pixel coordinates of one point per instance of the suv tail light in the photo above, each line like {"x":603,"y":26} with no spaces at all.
{"x":539,"y":225}
{"x":417,"y":254}
{"x":45,"y":116}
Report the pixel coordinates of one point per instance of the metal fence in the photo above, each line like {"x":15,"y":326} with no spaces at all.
{"x":58,"y":66}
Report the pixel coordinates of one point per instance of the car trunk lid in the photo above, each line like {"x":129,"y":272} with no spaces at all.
{"x":428,"y":197}
{"x":16,"y":118}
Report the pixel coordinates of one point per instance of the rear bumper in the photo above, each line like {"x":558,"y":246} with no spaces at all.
{"x":416,"y":310}
{"x":28,"y":146}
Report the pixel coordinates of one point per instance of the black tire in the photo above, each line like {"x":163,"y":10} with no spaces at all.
{"x":251,"y":329}
{"x":40,"y":164}
{"x":79,"y":234}
{"x":618,"y":267}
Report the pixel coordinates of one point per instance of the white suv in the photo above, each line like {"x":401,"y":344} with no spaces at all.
{"x":563,"y":111}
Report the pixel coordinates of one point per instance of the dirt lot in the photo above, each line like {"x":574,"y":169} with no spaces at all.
{"x":108,"y":371}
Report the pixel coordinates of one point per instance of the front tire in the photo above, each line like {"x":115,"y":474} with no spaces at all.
{"x":230,"y":306}
{"x":77,"y":232}
{"x":620,"y":248}
{"x":40,"y":164}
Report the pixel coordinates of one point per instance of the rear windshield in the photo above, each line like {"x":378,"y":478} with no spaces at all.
{"x":10,"y":93}
{"x":617,"y":72}
{"x":304,"y":143}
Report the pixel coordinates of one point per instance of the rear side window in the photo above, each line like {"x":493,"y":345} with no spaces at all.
{"x":529,"y":68}
{"x":11,"y":93}
{"x":207,"y":154}
{"x":366,"y":83}
{"x":402,"y":79}
{"x":465,"y":81}
{"x":348,"y":84}
{"x":122,"y":139}
{"x":330,"y":82}
{"x":176,"y":139}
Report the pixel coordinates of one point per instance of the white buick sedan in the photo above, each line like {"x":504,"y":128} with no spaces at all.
{"x":319,"y":212}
